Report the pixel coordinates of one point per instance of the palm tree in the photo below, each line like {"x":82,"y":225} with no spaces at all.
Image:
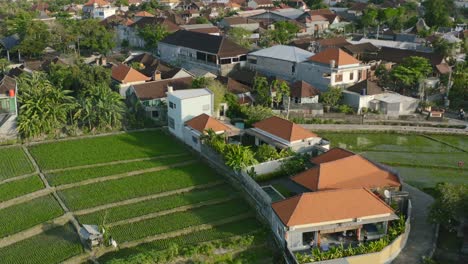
{"x":43,"y":108}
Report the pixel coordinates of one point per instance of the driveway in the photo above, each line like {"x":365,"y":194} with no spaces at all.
{"x":422,"y":234}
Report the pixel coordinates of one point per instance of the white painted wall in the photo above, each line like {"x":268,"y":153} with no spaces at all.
{"x":274,"y":67}
{"x":187,"y":109}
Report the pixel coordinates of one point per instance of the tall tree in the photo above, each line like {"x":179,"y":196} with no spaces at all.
{"x":411,"y":72}
{"x":262,"y":91}
{"x":437,"y":12}
{"x":240,"y":36}
{"x":95,"y":37}
{"x":284,"y":32}
{"x":152,"y":35}
{"x":44,"y":108}
{"x":35,"y":40}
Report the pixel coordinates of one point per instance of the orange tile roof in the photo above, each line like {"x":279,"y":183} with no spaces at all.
{"x":97,"y":2}
{"x":124,"y":74}
{"x":284,"y":129}
{"x":204,"y":122}
{"x":331,"y":155}
{"x":326,"y":206}
{"x":340,"y":57}
{"x":346,"y":173}
{"x":144,"y":14}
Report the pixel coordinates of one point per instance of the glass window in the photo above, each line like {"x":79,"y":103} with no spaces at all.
{"x":172,"y":105}
{"x":194,"y":139}
{"x":155,"y":114}
{"x":338,"y":77}
{"x":351,"y":76}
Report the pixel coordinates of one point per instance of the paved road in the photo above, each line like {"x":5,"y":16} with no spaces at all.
{"x":422,"y":234}
{"x":350,"y":127}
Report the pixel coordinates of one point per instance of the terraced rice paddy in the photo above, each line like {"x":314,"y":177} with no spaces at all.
{"x":138,"y":186}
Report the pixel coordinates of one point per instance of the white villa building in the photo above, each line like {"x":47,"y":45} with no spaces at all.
{"x":183,"y":105}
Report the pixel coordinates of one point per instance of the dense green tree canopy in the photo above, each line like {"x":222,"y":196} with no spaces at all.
{"x":437,"y":12}
{"x":411,"y":72}
{"x":152,"y":35}
{"x":240,"y":36}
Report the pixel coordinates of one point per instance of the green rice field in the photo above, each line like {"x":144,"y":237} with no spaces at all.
{"x":13,"y":189}
{"x":14,"y":162}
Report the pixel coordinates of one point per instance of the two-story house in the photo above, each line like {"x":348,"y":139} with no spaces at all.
{"x":184,"y":105}
{"x":332,"y":67}
{"x":279,"y":61}
{"x":189,"y":49}
{"x":99,"y":9}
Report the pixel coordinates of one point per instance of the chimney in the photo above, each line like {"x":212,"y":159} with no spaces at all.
{"x":332,"y":63}
{"x":156,"y":75}
{"x":170,"y":89}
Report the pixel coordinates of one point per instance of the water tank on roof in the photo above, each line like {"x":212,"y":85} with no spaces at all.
{"x":11,"y":93}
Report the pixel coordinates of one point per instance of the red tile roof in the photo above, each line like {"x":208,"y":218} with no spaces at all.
{"x":326,"y":206}
{"x":144,"y":14}
{"x":302,"y":89}
{"x":332,"y":155}
{"x":345,"y":173}
{"x":340,"y":57}
{"x":284,"y":129}
{"x":205,"y":122}
{"x":97,"y":2}
{"x":125,"y":74}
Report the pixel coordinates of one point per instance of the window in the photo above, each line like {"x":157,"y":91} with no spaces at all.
{"x":206,"y":107}
{"x":201,"y":56}
{"x":155,"y":114}
{"x":252,"y":61}
{"x":171,"y":122}
{"x":243,"y":58}
{"x":225,"y":61}
{"x":326,"y":75}
{"x":172,"y":105}
{"x":194,"y":139}
{"x":338,"y":77}
{"x":351,"y":76}
{"x":293,"y":70}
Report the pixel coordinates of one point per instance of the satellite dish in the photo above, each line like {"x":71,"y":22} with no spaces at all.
{"x":387,"y":194}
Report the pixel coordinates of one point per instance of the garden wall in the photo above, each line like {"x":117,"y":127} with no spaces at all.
{"x":267,"y":167}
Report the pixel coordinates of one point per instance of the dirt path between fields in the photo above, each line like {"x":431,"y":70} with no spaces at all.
{"x":113,"y":163}
{"x":171,"y":211}
{"x":24,"y":176}
{"x":144,"y":198}
{"x":122,"y":175}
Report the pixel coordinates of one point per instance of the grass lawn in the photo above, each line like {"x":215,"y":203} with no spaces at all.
{"x":22,"y":216}
{"x":52,"y":246}
{"x":156,"y":205}
{"x":77,"y":175}
{"x":386,"y":142}
{"x":140,"y":185}
{"x":86,"y":151}
{"x":21,"y":187}
{"x":179,"y":220}
{"x":14,"y":162}
{"x":219,"y":232}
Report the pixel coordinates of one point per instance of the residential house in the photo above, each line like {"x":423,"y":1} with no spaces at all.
{"x":394,"y":44}
{"x":363,"y":51}
{"x":126,"y":76}
{"x":183,"y":105}
{"x":8,"y":91}
{"x":98,"y":9}
{"x":152,"y":95}
{"x":332,"y":67}
{"x":357,"y":9}
{"x":316,"y":24}
{"x":369,"y":95}
{"x":170,"y":3}
{"x":189,"y":49}
{"x":241,"y":90}
{"x":342,"y":169}
{"x":280,"y":61}
{"x":298,"y":4}
{"x":303,"y":93}
{"x":131,"y":32}
{"x":337,"y":42}
{"x":282,"y":134}
{"x":141,"y":14}
{"x":255,"y":4}
{"x":396,"y":55}
{"x":185,"y":5}
{"x":203,"y":28}
{"x":239,"y":21}
{"x":8,"y":107}
{"x":150,"y":65}
{"x":198,"y":126}
{"x":317,"y":219}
